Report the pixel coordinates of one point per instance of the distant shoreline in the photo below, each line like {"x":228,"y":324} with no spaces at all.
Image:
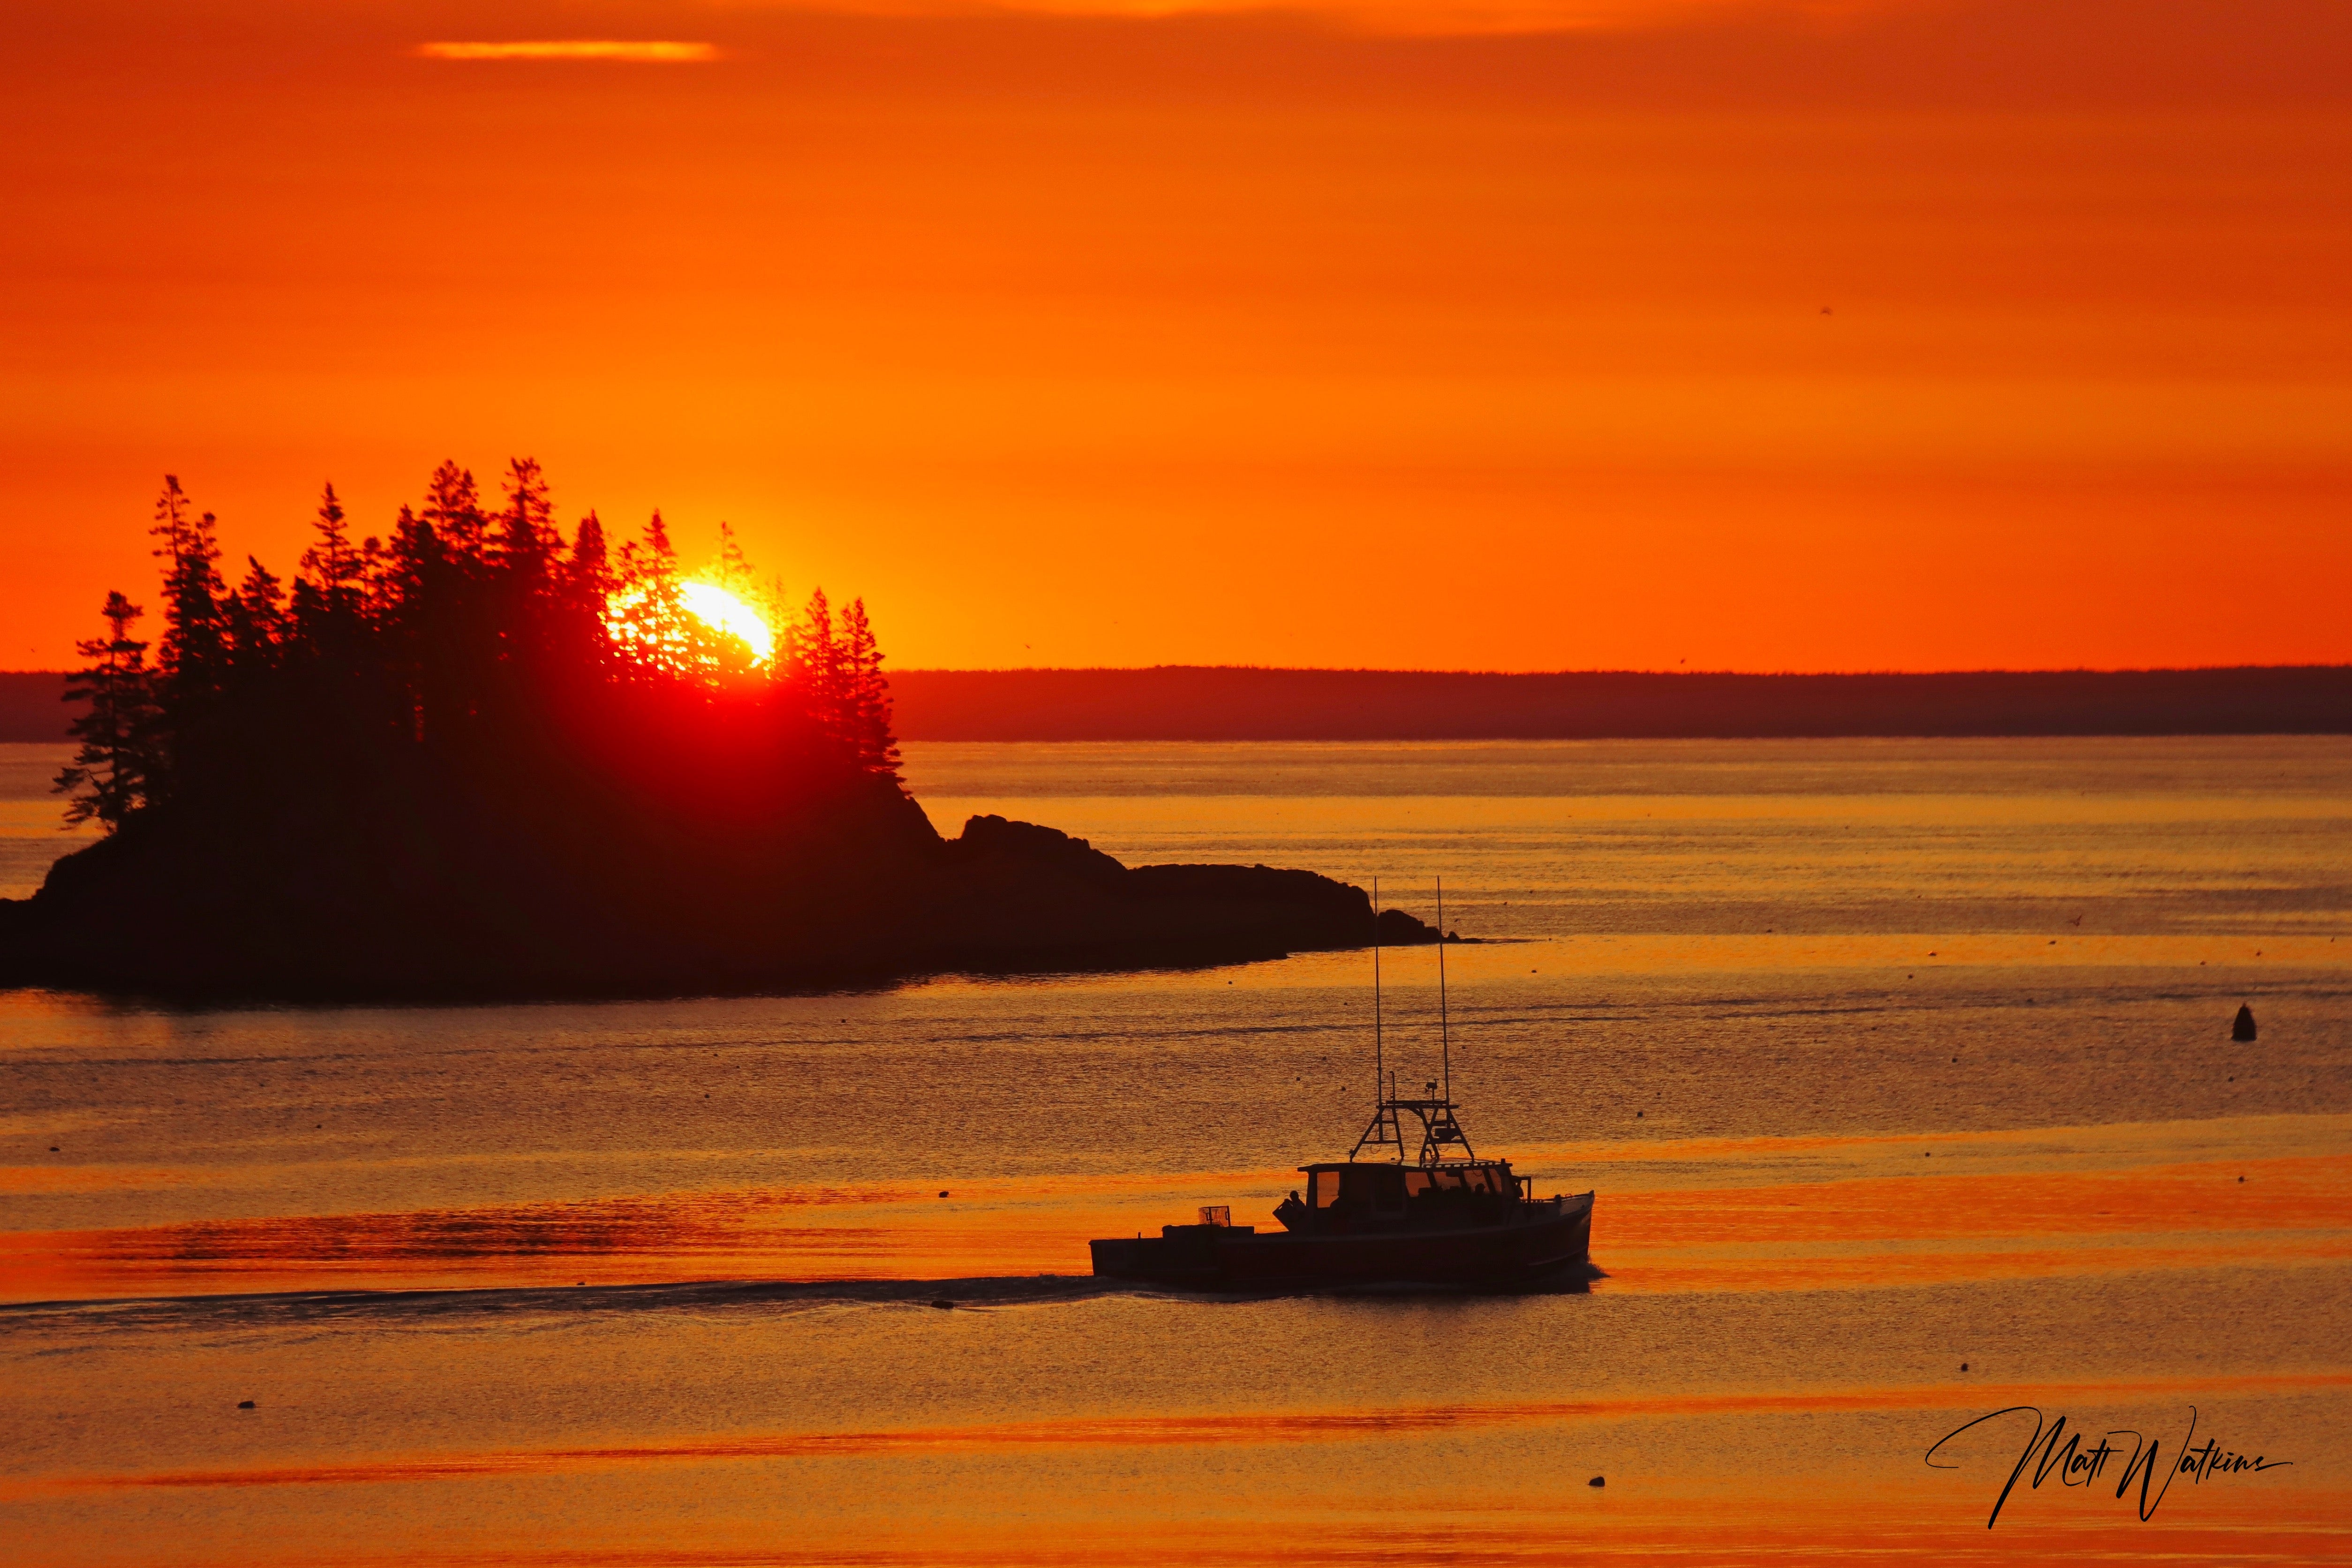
{"x":1190,"y":702}
{"x":1230,"y":703}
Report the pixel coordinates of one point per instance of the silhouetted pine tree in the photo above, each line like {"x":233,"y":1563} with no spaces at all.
{"x":454,"y":506}
{"x":399,"y":608}
{"x":649,"y":620}
{"x":457,"y":632}
{"x":257,"y":626}
{"x":191,"y":659}
{"x":813,"y":655}
{"x":865,"y":694}
{"x":527,"y":541}
{"x":525,"y":550}
{"x":732,"y":571}
{"x":331,"y":595}
{"x":581,"y":642}
{"x":333,"y":566}
{"x":588,"y":573}
{"x":109,"y":777}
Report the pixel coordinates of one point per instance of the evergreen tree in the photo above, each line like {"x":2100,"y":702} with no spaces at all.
{"x":458,"y":641}
{"x":865,"y":694}
{"x":581,"y":644}
{"x":109,"y":777}
{"x":454,"y":507}
{"x":257,"y":626}
{"x":733,"y":571}
{"x":403,"y":589}
{"x":400,"y":581}
{"x":331,"y":593}
{"x":375,"y":580}
{"x":813,"y":655}
{"x":332,"y":566}
{"x":190,"y":659}
{"x":526,"y":539}
{"x":650,"y":626}
{"x":588,"y":573}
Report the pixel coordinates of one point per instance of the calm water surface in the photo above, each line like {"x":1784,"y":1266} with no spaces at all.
{"x":1884,"y":1057}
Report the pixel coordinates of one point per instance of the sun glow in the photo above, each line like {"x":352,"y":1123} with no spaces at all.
{"x":637,"y":623}
{"x":722,"y":611}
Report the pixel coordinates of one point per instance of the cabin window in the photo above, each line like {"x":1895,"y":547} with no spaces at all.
{"x":1477,"y":1180}
{"x":1325,"y":1188}
{"x":1415,"y":1182}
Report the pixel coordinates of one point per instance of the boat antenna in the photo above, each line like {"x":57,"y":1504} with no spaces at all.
{"x":1380,"y":1076}
{"x":1445,"y":1034}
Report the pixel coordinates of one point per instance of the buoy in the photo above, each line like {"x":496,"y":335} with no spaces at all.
{"x":944,"y":1305}
{"x":2243,"y":1029}
{"x":245,"y":1404}
{"x":1597,"y":1482}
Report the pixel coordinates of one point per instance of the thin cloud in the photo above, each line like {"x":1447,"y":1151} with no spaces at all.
{"x":636,"y":51}
{"x":1410,"y":17}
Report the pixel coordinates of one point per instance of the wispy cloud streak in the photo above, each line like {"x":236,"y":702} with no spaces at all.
{"x":648,"y":51}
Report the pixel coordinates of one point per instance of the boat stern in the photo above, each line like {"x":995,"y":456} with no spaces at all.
{"x":1179,"y":1255}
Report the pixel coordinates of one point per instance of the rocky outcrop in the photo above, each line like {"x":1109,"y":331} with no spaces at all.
{"x":858,"y":889}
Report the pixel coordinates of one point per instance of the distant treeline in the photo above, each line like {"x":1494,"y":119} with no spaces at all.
{"x":1223,"y":703}
{"x":32,"y":705}
{"x":1195,"y":703}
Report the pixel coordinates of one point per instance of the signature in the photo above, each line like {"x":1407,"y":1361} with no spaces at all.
{"x":2072,"y":1464}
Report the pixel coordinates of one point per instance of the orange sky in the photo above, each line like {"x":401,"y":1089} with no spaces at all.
{"x":1453,"y":334}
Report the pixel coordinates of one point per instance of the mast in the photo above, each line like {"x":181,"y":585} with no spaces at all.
{"x":1385,"y":1128}
{"x":1380,"y":1076}
{"x":1445,"y":1034}
{"x":1439,"y":1129}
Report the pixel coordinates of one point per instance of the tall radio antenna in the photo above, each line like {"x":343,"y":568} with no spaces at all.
{"x":1380,"y":1074}
{"x":1444,"y":1033}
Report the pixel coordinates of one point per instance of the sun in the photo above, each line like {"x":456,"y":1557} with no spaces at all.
{"x":632,"y":617}
{"x":722,"y":611}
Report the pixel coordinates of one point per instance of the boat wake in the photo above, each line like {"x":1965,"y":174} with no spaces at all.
{"x":276,"y":1309}
{"x":280,"y":1306}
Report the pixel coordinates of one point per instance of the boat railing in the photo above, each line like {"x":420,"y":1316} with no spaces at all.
{"x":1441,"y":1129}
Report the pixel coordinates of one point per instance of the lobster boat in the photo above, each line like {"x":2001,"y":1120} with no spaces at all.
{"x":1439,"y":1216}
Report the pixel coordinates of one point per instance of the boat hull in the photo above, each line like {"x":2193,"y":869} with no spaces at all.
{"x":1212,"y":1257}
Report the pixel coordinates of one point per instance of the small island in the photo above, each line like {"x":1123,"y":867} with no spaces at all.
{"x":476,"y":758}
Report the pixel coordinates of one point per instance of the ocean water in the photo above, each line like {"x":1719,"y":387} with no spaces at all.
{"x":1902,"y":1072}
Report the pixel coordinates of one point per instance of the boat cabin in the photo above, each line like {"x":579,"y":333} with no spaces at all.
{"x":1352,"y":1197}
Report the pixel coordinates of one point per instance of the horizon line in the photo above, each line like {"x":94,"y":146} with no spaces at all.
{"x":2344,"y":665}
{"x":1617,"y":669}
